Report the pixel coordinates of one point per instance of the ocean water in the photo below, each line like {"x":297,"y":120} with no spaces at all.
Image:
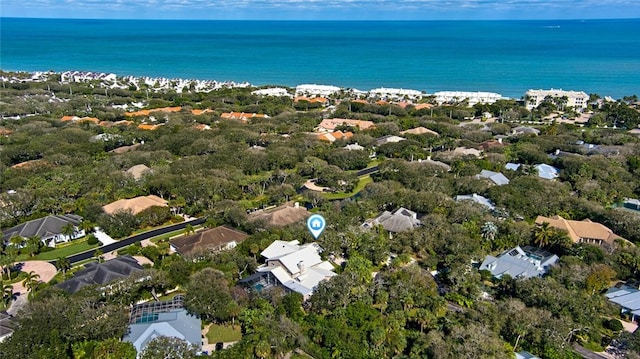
{"x":508,"y":57}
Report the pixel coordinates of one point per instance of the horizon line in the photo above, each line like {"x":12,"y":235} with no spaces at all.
{"x":316,"y":20}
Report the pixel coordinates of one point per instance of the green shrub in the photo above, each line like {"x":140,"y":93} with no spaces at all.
{"x":613,"y":324}
{"x":91,"y":240}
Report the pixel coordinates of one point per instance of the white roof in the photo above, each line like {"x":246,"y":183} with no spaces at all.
{"x":279,"y":248}
{"x":495,"y":177}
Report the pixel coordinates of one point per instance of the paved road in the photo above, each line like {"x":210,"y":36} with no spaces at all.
{"x":131,"y":240}
{"x":368,"y":171}
{"x":588,"y":354}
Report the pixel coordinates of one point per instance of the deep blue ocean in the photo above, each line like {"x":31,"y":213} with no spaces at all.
{"x":508,"y":57}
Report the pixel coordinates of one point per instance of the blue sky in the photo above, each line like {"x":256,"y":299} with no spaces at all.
{"x":323,"y":9}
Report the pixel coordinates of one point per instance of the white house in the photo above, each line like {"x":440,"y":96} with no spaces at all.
{"x":294,"y":267}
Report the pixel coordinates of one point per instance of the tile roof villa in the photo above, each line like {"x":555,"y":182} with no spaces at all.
{"x":135,"y":205}
{"x":329,"y":125}
{"x":581,"y":231}
{"x":208,"y":240}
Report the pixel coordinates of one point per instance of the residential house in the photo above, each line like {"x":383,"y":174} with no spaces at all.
{"x":420,"y":131}
{"x":321,"y":100}
{"x":148,"y":112}
{"x":491,"y":144}
{"x":495,"y":177}
{"x":439,"y":164}
{"x":50,"y":229}
{"x":524,"y":130}
{"x":632,"y":204}
{"x":353,"y":147}
{"x":198,"y":112}
{"x":526,"y":262}
{"x":466,"y":151}
{"x":168,"y":319}
{"x":316,"y":90}
{"x":292,"y":266}
{"x":402,"y":220}
{"x":334,"y":136}
{"x":7,"y":326}
{"x":241,"y":116}
{"x":547,"y":171}
{"x":138,"y":171}
{"x":102,"y":274}
{"x":512,"y":166}
{"x":273,"y":91}
{"x":208,"y":241}
{"x":281,"y":216}
{"x":477,"y":199}
{"x":526,"y":355}
{"x":148,"y":127}
{"x":135,"y":205}
{"x":583,"y":231}
{"x":627,"y":297}
{"x":388,"y":139}
{"x":330,"y":125}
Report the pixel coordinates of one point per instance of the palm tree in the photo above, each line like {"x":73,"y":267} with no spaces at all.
{"x":87,"y":226}
{"x":63,"y":264}
{"x":7,"y":294}
{"x":489,"y":231}
{"x":34,"y":244}
{"x":69,"y":230}
{"x":543,"y":234}
{"x":31,"y":282}
{"x":188,"y":229}
{"x":99,"y":255}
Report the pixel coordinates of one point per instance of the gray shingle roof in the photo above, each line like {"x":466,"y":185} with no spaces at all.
{"x":401,"y":220}
{"x":102,"y":273}
{"x":44,"y":227}
{"x":524,"y":262}
{"x":495,"y":177}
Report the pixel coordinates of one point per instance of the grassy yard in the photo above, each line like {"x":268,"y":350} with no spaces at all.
{"x":223,"y":333}
{"x":77,"y":246}
{"x":173,"y":234}
{"x":361,"y":183}
{"x":171,"y":295}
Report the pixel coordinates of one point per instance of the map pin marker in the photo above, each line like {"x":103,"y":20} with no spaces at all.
{"x":316,"y":224}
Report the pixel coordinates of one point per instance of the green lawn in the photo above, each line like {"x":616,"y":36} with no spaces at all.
{"x":173,"y":234}
{"x":171,"y":295}
{"x":361,"y":183}
{"x":77,"y":246}
{"x":223,"y":333}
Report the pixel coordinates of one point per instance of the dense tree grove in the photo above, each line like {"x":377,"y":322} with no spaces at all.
{"x":414,"y":294}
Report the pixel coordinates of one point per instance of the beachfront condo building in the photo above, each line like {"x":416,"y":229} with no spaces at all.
{"x":576,"y":99}
{"x":448,"y":97}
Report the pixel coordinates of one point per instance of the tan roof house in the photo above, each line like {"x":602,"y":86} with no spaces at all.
{"x":420,"y":131}
{"x":135,"y":205}
{"x":582,"y":231}
{"x":208,"y":241}
{"x":330,"y":125}
{"x":138,"y":171}
{"x":280,"y":216}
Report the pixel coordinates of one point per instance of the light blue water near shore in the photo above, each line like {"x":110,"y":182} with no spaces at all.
{"x":508,"y":57}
